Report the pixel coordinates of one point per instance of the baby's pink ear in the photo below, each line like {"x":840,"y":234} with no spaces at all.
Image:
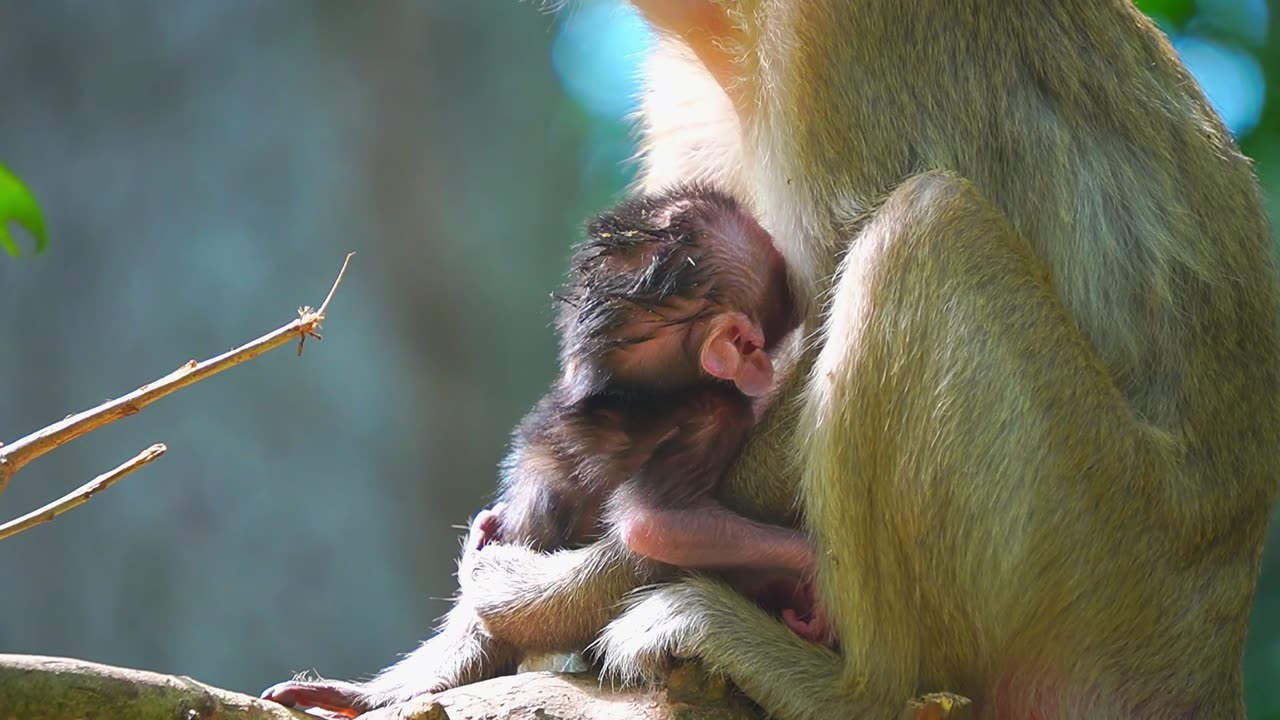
{"x":756,"y":376}
{"x":734,"y":350}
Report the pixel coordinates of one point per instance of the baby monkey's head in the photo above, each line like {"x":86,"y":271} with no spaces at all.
{"x":671,"y":290}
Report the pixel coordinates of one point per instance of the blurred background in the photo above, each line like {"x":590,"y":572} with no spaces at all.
{"x":203,"y":168}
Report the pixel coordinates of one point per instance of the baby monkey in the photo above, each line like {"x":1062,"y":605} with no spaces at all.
{"x":674,"y":304}
{"x":666,"y":326}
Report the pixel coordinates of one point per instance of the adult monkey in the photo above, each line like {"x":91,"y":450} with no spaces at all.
{"x":1041,"y":437}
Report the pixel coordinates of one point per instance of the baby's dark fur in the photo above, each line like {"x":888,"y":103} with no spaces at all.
{"x":651,"y":266}
{"x":629,"y":442}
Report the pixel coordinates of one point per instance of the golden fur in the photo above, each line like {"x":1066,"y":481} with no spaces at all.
{"x":1040,"y":441}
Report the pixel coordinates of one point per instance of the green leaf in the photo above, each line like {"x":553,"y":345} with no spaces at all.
{"x":1175,"y":11}
{"x":17,"y":204}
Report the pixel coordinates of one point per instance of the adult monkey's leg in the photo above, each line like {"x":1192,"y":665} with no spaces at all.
{"x":981,"y":495}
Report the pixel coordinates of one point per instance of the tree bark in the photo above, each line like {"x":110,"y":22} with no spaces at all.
{"x":48,"y":688}
{"x":34,"y":687}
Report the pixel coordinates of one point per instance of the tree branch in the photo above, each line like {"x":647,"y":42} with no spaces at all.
{"x":48,"y":688}
{"x":688,"y":694}
{"x":80,"y":495}
{"x":15,"y":456}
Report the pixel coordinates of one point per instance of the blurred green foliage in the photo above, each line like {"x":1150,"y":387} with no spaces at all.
{"x":18,"y":205}
{"x":1175,"y":11}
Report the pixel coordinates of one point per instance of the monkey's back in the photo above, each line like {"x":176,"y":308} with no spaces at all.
{"x":1077,"y":122}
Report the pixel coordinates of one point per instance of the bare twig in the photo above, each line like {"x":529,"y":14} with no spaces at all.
{"x":336,"y":282}
{"x":80,"y":495}
{"x":306,"y":314}
{"x":15,"y":456}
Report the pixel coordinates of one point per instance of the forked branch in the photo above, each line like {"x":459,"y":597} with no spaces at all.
{"x":15,"y":456}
